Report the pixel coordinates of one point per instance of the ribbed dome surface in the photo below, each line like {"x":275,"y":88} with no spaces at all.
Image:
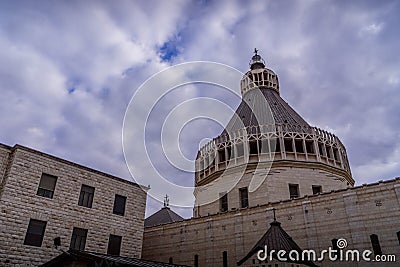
{"x":253,"y":111}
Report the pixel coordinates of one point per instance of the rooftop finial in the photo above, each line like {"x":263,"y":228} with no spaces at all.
{"x":256,"y":61}
{"x":255,"y":51}
{"x":166,"y":201}
{"x":273,"y":210}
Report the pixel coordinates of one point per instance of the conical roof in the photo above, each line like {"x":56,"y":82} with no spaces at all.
{"x":276,"y":239}
{"x":261,"y":107}
{"x":163,"y":216}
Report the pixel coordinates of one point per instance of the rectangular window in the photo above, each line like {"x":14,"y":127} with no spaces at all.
{"x":275,"y":145}
{"x":35,"y":233}
{"x":336,"y":154}
{"x":196,"y":260}
{"x":225,"y":259}
{"x":316,"y":189}
{"x":244,"y":197}
{"x":47,"y":185}
{"x":239,"y":150}
{"x":288,"y":145}
{"x":310,"y":147}
{"x":86,"y":196}
{"x":294,"y":190}
{"x":398,"y":236}
{"x":221,"y":154}
{"x":223,"y":201}
{"x":253,"y":147}
{"x":321,"y":150}
{"x":299,"y":145}
{"x":328,"y":152}
{"x":376,"y":246}
{"x":78,"y":239}
{"x":228,"y":152}
{"x":114,"y":245}
{"x":119,"y":205}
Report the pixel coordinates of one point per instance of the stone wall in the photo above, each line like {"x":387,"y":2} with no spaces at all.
{"x":19,"y":203}
{"x":312,"y":221}
{"x":274,"y":185}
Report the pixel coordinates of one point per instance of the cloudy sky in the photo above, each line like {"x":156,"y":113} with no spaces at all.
{"x":69,"y":69}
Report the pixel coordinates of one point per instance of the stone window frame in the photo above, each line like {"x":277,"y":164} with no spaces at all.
{"x":47,"y":185}
{"x":223,"y":202}
{"x":244,"y":197}
{"x":292,"y":194}
{"x":78,"y":238}
{"x":86,"y":196}
{"x":119,"y":205}
{"x":114,"y":245}
{"x":34,"y":237}
{"x":316,"y":189}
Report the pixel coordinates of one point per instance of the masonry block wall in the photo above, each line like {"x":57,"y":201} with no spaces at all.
{"x":21,"y":169}
{"x":312,"y":221}
{"x":275,"y":179}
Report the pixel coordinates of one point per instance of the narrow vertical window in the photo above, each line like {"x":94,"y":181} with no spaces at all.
{"x":86,"y":196}
{"x":398,"y":236}
{"x":78,"y":239}
{"x":47,"y":185}
{"x":288,"y":145}
{"x":239,"y":150}
{"x":223,"y":202}
{"x":244,"y":197}
{"x":114,"y":245}
{"x":119,"y":205}
{"x":225,"y":259}
{"x":310,"y":146}
{"x":35,"y":233}
{"x":375,"y":244}
{"x":221,"y":155}
{"x":294,"y":190}
{"x":253,"y":147}
{"x":196,"y":260}
{"x":299,"y":145}
{"x":170,"y":260}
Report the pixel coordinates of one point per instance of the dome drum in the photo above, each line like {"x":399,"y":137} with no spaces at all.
{"x":271,"y":143}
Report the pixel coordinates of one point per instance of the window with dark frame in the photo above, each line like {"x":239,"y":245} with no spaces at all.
{"x":35,"y":233}
{"x":47,"y":185}
{"x":288,"y":145}
{"x":78,"y":238}
{"x":86,"y":196}
{"x":223,"y":202}
{"x":298,"y":143}
{"x":221,"y":155}
{"x":294,"y":190}
{"x":114,"y":245}
{"x":376,"y":246}
{"x":398,"y":236}
{"x":119,"y":205}
{"x":196,"y":260}
{"x":244,"y":197}
{"x":170,"y":260}
{"x":225,"y":259}
{"x":310,"y":147}
{"x":316,"y":189}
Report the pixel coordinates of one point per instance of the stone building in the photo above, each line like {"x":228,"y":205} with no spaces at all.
{"x":43,"y":197}
{"x":269,"y":158}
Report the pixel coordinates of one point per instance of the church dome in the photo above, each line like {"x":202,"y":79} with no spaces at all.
{"x":265,"y":129}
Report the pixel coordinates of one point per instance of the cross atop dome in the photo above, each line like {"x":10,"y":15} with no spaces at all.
{"x":256,"y":62}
